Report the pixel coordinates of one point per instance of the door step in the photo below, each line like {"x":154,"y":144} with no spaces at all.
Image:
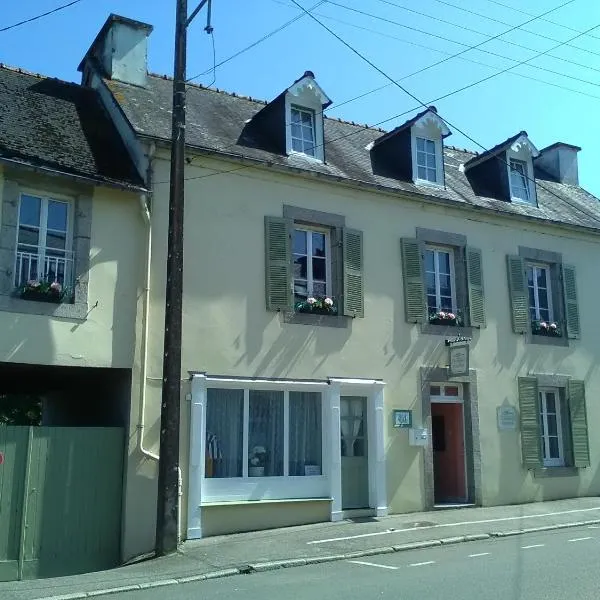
{"x":452,"y":505}
{"x":358,"y":513}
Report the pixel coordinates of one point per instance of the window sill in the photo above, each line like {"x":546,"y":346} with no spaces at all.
{"x":247,"y":502}
{"x":545,"y":472}
{"x":297,"y":318}
{"x":447,"y":330}
{"x":546,"y":340}
{"x":73,"y":312}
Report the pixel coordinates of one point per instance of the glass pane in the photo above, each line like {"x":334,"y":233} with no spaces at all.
{"x":541,"y":278}
{"x":430,"y":282}
{"x":530,"y":276}
{"x":445,"y":285}
{"x":451,"y":390}
{"x":30,"y":237}
{"x":56,"y":241}
{"x":318,"y":269}
{"x":297,"y":145}
{"x":305,"y":433}
{"x":29,"y":211}
{"x":543,"y":298}
{"x":307,"y":134}
{"x":431,"y":175}
{"x":319,"y":289}
{"x":300,"y":290}
{"x":295,"y":116}
{"x":554,"y":451}
{"x":430,"y":146}
{"x":544,"y":314}
{"x":446,"y":303}
{"x":265,"y":434}
{"x":434,"y":390}
{"x":431,"y":161}
{"x":306,"y":118}
{"x":421,"y":172}
{"x":299,"y":267}
{"x":318,"y":244}
{"x":444,"y":262}
{"x":432,"y":303}
{"x":552,"y":428}
{"x":299,"y":242}
{"x":550,"y":402}
{"x":296,"y":131}
{"x":420,"y":144}
{"x":57,"y":215}
{"x":360,"y":447}
{"x":531,"y":297}
{"x":224,"y":433}
{"x":421,"y":159}
{"x":429,"y":265}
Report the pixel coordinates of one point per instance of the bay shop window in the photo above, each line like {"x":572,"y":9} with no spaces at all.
{"x":269,"y":440}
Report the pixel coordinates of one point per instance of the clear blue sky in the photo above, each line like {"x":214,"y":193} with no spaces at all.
{"x":489,"y":112}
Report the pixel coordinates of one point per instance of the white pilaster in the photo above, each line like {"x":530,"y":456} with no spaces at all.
{"x":335,"y":452}
{"x":197,"y":449}
{"x":379,"y":465}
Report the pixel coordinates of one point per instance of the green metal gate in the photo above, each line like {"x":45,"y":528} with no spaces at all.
{"x":60,"y":500}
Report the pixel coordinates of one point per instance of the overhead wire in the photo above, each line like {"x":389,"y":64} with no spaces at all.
{"x":40,"y":16}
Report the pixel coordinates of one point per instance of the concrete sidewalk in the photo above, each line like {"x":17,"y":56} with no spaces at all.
{"x":294,"y":546}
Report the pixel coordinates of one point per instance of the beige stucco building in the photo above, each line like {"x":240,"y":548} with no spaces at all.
{"x":331,"y":271}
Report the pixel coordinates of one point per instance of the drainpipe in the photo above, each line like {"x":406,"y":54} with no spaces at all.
{"x":146,"y":314}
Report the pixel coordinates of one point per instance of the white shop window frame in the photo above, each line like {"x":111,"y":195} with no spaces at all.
{"x":326,"y":486}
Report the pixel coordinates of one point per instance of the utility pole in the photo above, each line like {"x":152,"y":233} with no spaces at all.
{"x":168,"y":466}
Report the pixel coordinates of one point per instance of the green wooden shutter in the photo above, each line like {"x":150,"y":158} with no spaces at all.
{"x":571,"y":305}
{"x":579,"y":429}
{"x":278,"y":263}
{"x":529,"y":412}
{"x":475,"y":284}
{"x":352,"y":251}
{"x":412,"y":272}
{"x":519,"y":302}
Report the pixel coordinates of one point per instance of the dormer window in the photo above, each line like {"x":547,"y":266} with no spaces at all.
{"x":426,"y":160}
{"x":303,"y":130}
{"x":519,"y":183}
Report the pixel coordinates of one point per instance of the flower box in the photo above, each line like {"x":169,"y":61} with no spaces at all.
{"x":42,"y":291}
{"x":447,"y":319}
{"x":550,"y":329}
{"x":317,"y":305}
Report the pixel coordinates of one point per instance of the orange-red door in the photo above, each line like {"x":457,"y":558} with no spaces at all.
{"x":448,"y":452}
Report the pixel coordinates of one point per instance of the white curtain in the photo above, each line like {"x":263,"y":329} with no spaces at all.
{"x":305,"y":433}
{"x":266,"y":431}
{"x":351,"y":421}
{"x":224,"y":433}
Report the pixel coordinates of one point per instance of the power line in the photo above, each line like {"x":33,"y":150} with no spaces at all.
{"x":256,"y":43}
{"x":50,"y":12}
{"x":446,"y":39}
{"x":523,"y":12}
{"x":487,"y":17}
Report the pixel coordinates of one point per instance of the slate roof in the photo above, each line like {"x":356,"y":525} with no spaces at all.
{"x":61,"y":126}
{"x":216,"y":122}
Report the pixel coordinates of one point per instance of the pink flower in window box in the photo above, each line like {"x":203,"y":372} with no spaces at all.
{"x":328,"y":301}
{"x":56,"y":287}
{"x":553,"y":326}
{"x":451,"y":316}
{"x":544,"y":325}
{"x":311,"y":300}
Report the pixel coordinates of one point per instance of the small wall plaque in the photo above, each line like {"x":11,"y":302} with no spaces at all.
{"x":507,"y":418}
{"x":403,"y":419}
{"x":458,"y":363}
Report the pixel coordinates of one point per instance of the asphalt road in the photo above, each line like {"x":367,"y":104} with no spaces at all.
{"x":555,"y":565}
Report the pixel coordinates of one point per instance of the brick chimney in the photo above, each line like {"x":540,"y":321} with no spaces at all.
{"x":120,"y":51}
{"x":560,"y":161}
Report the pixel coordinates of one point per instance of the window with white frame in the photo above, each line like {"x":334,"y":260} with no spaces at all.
{"x":540,"y":296}
{"x":551,"y":428}
{"x":43,"y":241}
{"x":519,"y":180}
{"x":303,"y":130}
{"x":262,"y":433}
{"x":312,"y":262}
{"x":439,"y":279}
{"x":426,"y":160}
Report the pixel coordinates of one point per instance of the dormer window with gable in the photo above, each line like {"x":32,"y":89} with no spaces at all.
{"x":414,"y":151}
{"x":292,"y":124}
{"x":505,"y":172}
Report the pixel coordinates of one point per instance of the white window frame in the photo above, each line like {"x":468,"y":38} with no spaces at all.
{"x":426,"y":153}
{"x":442,"y":397}
{"x":436,"y":266}
{"x":525,"y":175}
{"x":43,"y":233}
{"x":536,"y":298}
{"x":309,"y":266}
{"x":424,"y":132}
{"x":544,"y":437}
{"x":311,"y":114}
{"x":279,"y":487}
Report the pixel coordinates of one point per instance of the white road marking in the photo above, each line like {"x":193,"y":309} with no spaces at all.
{"x":589,"y":537}
{"x":593,"y":526}
{"x":370,"y":564}
{"x":479,"y":554}
{"x":421,"y":564}
{"x":441,"y":525}
{"x":532,"y":546}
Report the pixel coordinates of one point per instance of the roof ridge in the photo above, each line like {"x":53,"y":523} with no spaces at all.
{"x":22,"y":71}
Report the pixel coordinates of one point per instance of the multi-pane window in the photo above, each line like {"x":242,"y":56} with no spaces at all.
{"x":551,"y":428}
{"x":312,"y":263}
{"x":439,"y":279}
{"x":262,"y":433}
{"x":519,"y":184}
{"x":43,"y":241}
{"x":426,"y":160}
{"x":540,"y":297}
{"x":303,"y":130}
